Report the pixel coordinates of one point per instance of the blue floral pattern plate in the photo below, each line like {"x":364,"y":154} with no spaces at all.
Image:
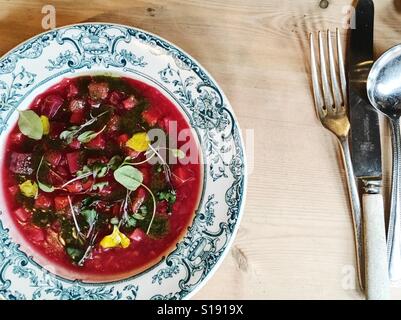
{"x":80,"y":49}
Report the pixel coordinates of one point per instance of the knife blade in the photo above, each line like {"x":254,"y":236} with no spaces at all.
{"x":366,"y":154}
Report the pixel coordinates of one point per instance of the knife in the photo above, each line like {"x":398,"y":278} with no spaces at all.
{"x":366,"y":155}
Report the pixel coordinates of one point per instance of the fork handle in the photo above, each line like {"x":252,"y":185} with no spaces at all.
{"x":376,"y":268}
{"x":356,"y":213}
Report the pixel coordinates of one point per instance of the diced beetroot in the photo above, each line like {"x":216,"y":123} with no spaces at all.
{"x":53,"y":157}
{"x":137,"y":235}
{"x":21,"y":163}
{"x":115,"y":98}
{"x":162,"y":207}
{"x":91,"y":161}
{"x":113,"y":124}
{"x":17,"y":138}
{"x":93,"y":103}
{"x":129,"y":103}
{"x":13,"y":190}
{"x":131,"y":152}
{"x":22,"y":214}
{"x":97,"y":143}
{"x":79,"y":186}
{"x":77,"y":105}
{"x":62,"y":170}
{"x":181,"y":175}
{"x":55,"y":129}
{"x":73,"y":161}
{"x":51,"y":104}
{"x":122,"y":139}
{"x":56,"y":226}
{"x":72,"y":90}
{"x":98,"y":91}
{"x":77,"y":117}
{"x":61,"y":202}
{"x":35,"y":234}
{"x":75,"y":144}
{"x":43,"y":201}
{"x":138,"y":200}
{"x":151,"y":116}
{"x":55,"y":178}
{"x":116,"y":210}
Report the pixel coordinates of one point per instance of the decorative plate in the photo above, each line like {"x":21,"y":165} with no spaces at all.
{"x":44,"y":60}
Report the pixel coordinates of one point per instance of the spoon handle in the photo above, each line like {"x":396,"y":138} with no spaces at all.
{"x":394,"y":228}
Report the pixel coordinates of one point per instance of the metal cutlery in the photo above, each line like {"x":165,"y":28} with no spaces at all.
{"x":366,"y":151}
{"x":330,"y":95}
{"x":331,"y":105}
{"x":384,"y":92}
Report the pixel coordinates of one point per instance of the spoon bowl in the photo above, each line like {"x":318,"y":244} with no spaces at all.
{"x":384,"y":83}
{"x":384,"y":92}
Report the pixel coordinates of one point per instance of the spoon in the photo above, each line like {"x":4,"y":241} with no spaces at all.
{"x":384,"y":93}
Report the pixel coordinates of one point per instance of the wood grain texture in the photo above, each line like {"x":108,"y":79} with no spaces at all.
{"x":295,"y":239}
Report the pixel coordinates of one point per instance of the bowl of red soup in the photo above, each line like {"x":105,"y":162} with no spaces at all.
{"x":122,"y":167}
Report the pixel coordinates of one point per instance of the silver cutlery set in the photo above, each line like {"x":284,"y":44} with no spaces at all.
{"x":347,"y":104}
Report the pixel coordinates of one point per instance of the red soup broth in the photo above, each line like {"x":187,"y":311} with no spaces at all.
{"x":45,"y":218}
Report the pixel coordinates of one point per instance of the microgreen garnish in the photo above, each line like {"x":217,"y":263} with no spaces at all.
{"x":87,"y":136}
{"x":29,"y":124}
{"x":42,"y":186}
{"x":73,"y":216}
{"x":69,"y":134}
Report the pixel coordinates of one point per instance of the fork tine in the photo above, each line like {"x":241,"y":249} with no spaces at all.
{"x":341,"y":67}
{"x":333,"y":73}
{"x":317,"y":92}
{"x":327,"y":96}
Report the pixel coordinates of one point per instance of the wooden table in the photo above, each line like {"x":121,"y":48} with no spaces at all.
{"x":295,"y":239}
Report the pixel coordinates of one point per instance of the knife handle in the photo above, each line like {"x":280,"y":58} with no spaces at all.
{"x":376,"y":268}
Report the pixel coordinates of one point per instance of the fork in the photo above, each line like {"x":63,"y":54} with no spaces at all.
{"x":331,"y":106}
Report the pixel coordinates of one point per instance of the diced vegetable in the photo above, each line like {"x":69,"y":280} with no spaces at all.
{"x":21,"y":163}
{"x":73,"y":161}
{"x":35,"y":234}
{"x":115,"y":239}
{"x":43,"y":201}
{"x":98,"y":91}
{"x":75,"y":144}
{"x":51,"y":104}
{"x":53,"y":157}
{"x":13,"y":190}
{"x":137,"y":235}
{"x":151,"y":116}
{"x":29,"y":189}
{"x":22,"y":214}
{"x":77,"y":117}
{"x":138,"y":200}
{"x":72,"y":90}
{"x":61,"y":202}
{"x":77,"y":105}
{"x":114,"y":124}
{"x":115,"y":98}
{"x":129,"y":103}
{"x":97,"y":143}
{"x":17,"y":138}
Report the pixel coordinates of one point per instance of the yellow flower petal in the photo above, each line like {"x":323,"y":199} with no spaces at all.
{"x":115,"y":239}
{"x":29,"y":189}
{"x":45,"y":124}
{"x":125,"y":241}
{"x":112,"y":240}
{"x":139,"y":142}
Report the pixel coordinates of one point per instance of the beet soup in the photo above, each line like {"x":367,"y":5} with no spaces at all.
{"x":81,"y":187}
